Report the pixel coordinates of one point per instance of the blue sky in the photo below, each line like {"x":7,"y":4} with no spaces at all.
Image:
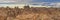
{"x":46,"y":0}
{"x":33,"y":2}
{"x":27,"y":1}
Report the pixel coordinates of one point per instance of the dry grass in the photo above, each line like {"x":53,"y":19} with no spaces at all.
{"x":30,"y":14}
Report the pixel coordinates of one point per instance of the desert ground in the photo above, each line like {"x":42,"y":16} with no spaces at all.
{"x":37,"y":13}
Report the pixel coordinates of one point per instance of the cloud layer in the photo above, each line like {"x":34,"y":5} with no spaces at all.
{"x":15,"y":1}
{"x":31,"y":2}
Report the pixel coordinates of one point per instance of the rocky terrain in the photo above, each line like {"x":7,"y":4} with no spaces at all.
{"x":29,"y":13}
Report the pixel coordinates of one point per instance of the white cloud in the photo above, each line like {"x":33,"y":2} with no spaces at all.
{"x":15,"y":1}
{"x":57,"y":4}
{"x":7,"y":1}
{"x":54,"y":5}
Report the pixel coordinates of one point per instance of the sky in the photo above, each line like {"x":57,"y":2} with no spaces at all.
{"x":32,"y":2}
{"x":46,"y":0}
{"x":27,"y":1}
